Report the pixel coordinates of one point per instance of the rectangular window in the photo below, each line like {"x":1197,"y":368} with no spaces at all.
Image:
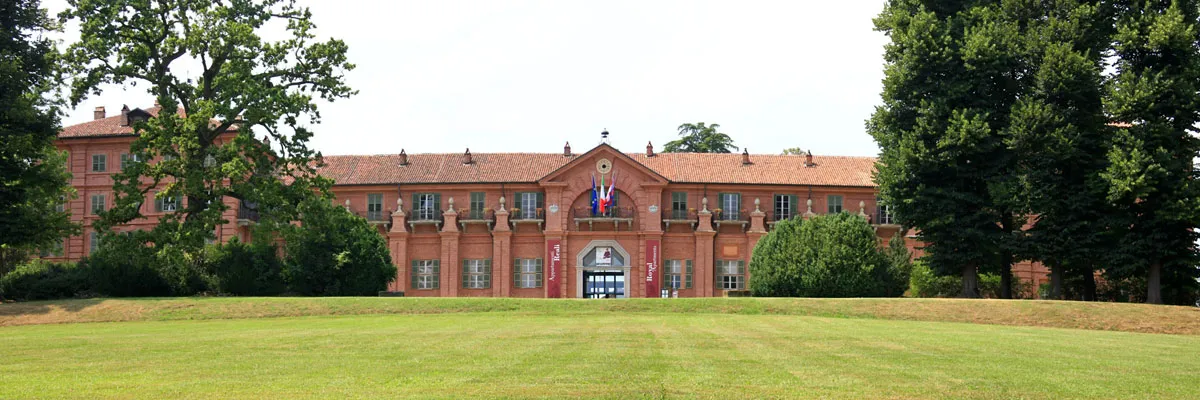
{"x":679,"y":207}
{"x":785,"y":206}
{"x":731,"y":274}
{"x":679,"y":273}
{"x":167,"y":203}
{"x":375,"y":206}
{"x":99,"y":204}
{"x":62,"y":204}
{"x":527,"y":273}
{"x":885,"y":213}
{"x":428,"y":206}
{"x":127,"y":159}
{"x":426,"y":274}
{"x":731,"y":206}
{"x":477,"y":205}
{"x":93,"y":242}
{"x":477,"y":274}
{"x":99,"y":162}
{"x":55,"y":250}
{"x":529,"y":204}
{"x":835,"y":203}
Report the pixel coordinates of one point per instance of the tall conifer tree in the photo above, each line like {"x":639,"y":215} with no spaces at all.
{"x":1152,"y":177}
{"x":954,"y":70}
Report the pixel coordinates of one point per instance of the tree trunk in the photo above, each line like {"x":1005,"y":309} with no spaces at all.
{"x":1056,"y":283}
{"x":970,"y":280}
{"x":1154,"y":284}
{"x":1089,"y":285}
{"x":1006,"y":275}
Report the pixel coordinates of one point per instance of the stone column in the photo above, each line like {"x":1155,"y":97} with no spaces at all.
{"x":398,"y":243}
{"x":703,"y":272}
{"x":451,"y":268}
{"x":502,"y":254}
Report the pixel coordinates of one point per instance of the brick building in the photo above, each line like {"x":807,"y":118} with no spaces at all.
{"x":523,"y":224}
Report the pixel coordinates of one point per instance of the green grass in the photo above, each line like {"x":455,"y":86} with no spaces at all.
{"x":710,"y":348}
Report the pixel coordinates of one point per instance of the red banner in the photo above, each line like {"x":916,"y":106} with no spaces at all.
{"x":554,"y":254}
{"x":652,"y":264}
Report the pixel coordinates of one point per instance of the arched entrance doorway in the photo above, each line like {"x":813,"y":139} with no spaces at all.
{"x":602,"y":270}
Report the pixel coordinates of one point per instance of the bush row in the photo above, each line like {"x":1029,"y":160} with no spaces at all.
{"x":335,"y":254}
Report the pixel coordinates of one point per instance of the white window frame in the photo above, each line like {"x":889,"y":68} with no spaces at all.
{"x":425,"y":276}
{"x":426,"y":209}
{"x":374,"y":208}
{"x":728,"y":276}
{"x":476,"y":275}
{"x":529,"y":205}
{"x":103,"y":201}
{"x":731,"y":206}
{"x":783,"y":207}
{"x":528,"y":276}
{"x":884,"y":213}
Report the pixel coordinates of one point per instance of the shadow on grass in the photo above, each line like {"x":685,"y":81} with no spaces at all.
{"x":15,"y":309}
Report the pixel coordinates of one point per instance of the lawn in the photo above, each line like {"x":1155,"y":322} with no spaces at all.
{"x":713,"y":348}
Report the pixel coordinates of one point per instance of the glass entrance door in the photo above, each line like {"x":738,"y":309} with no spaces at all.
{"x":603,"y":284}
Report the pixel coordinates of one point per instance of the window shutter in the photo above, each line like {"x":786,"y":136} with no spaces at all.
{"x":487,"y":273}
{"x":437,"y":274}
{"x":738,"y":203}
{"x":741,"y":267}
{"x":437,"y":205}
{"x":516,"y":282}
{"x":687,"y":279}
{"x":158,"y":204}
{"x":541,"y":199}
{"x":793,"y":204}
{"x":464,"y":274}
{"x":540,"y":274}
{"x":412,"y":272}
{"x":415,"y":206}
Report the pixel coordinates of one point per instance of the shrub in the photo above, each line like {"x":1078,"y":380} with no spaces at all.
{"x":243,"y":269}
{"x":925,"y":283}
{"x":44,"y":280}
{"x":335,"y":253}
{"x":826,"y":256}
{"x":125,"y":267}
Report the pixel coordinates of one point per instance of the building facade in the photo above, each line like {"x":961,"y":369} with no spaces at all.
{"x":524,"y":224}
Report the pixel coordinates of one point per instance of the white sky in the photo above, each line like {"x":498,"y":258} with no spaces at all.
{"x":527,"y":76}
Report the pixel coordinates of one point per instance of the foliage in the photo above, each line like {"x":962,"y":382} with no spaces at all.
{"x":926,"y":283}
{"x":123,"y":266}
{"x":246,"y":269}
{"x":795,"y":151}
{"x":202,"y":147}
{"x":33,"y":173}
{"x":895,"y":279}
{"x":1151,"y":177}
{"x":952,"y":76}
{"x":700,"y":138}
{"x":335,"y":253}
{"x":834,"y":255}
{"x":44,"y":280}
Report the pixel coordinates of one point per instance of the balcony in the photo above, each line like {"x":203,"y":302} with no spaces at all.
{"x":247,"y":213}
{"x":376,"y":217}
{"x":425,"y":216}
{"x":740,"y":218}
{"x":681,"y":217}
{"x":614,"y":215}
{"x":485,"y":216}
{"x":883,"y":216}
{"x":526,"y":216}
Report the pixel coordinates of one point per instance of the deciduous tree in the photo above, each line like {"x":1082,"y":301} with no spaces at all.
{"x":33,"y":175}
{"x":700,"y":138}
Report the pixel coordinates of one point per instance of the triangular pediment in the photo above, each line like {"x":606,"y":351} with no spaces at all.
{"x":604,"y":158}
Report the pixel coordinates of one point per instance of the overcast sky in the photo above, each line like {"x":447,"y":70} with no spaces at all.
{"x":527,"y":76}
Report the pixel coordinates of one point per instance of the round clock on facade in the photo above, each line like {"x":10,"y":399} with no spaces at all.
{"x":604,"y":165}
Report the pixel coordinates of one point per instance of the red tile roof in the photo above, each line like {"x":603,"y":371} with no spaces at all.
{"x":530,"y":167}
{"x":109,"y":126}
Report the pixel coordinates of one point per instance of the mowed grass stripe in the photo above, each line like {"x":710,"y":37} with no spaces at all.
{"x":1059,"y":314}
{"x":606,"y":355}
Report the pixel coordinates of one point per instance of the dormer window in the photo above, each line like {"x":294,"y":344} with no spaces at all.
{"x":135,"y":116}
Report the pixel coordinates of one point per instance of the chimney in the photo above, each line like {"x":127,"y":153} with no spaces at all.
{"x":467,"y":157}
{"x":567,"y":150}
{"x":99,"y":113}
{"x":745,"y":156}
{"x":125,"y":114}
{"x":403,"y":157}
{"x":156,"y":103}
{"x":808,"y":159}
{"x":649,"y":149}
